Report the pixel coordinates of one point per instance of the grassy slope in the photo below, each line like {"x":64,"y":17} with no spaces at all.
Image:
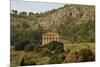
{"x":78,"y":46}
{"x":16,"y":56}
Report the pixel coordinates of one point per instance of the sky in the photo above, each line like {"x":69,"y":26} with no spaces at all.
{"x":31,"y":6}
{"x":83,"y":2}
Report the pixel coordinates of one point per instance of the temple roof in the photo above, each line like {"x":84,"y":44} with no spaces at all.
{"x":51,"y":34}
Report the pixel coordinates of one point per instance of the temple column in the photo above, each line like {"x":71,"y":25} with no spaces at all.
{"x":43,"y":40}
{"x":54,"y":38}
{"x":49,"y":39}
{"x":57,"y":38}
{"x":46,"y":40}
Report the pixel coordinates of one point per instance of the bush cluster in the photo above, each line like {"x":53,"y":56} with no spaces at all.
{"x":84,"y":55}
{"x":55,"y":47}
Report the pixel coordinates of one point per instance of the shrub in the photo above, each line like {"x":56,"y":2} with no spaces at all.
{"x":25,"y":61}
{"x":25,"y":37}
{"x":55,"y":47}
{"x":72,"y":57}
{"x":29,"y":47}
{"x":86,"y":55}
{"x":45,"y":52}
{"x":67,"y":51}
{"x":32,"y":47}
{"x":21,"y":45}
{"x":37,"y":48}
{"x":56,"y":59}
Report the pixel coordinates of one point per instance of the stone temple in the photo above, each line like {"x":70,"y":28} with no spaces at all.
{"x":49,"y":37}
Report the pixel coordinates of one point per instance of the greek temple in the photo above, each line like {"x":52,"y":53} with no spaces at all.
{"x":49,"y":37}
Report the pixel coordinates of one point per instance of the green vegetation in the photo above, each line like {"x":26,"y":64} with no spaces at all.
{"x":55,"y":47}
{"x":27,"y":61}
{"x":56,"y":59}
{"x":75,"y":53}
{"x":74,"y":23}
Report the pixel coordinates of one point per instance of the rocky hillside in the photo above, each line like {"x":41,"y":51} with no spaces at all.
{"x":75,"y":22}
{"x":67,"y":15}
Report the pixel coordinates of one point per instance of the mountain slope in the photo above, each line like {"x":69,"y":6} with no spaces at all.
{"x":74,"y":22}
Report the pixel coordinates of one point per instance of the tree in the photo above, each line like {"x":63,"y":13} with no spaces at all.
{"x":14,"y":11}
{"x":23,"y":13}
{"x":26,"y":37}
{"x":21,"y":45}
{"x":31,"y":13}
{"x":56,"y":47}
{"x":86,"y":55}
{"x":29,"y":47}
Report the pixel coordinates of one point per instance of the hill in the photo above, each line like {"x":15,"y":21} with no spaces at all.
{"x":74,"y":22}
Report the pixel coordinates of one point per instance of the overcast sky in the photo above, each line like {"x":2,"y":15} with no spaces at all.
{"x":31,"y":6}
